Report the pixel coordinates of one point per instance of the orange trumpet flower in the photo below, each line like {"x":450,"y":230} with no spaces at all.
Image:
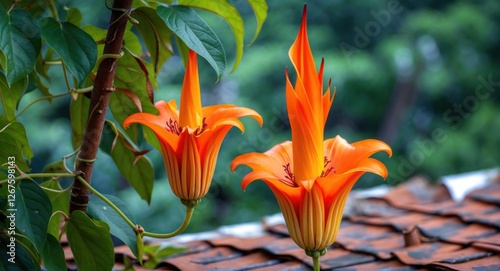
{"x":191,"y":137}
{"x":310,"y":177}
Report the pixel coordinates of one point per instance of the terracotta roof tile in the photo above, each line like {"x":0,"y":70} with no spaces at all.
{"x":393,"y":265}
{"x":491,"y":194}
{"x":400,"y":222}
{"x":414,"y":227}
{"x":483,"y":264}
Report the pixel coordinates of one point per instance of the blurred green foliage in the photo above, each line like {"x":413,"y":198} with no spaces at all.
{"x":421,"y":75}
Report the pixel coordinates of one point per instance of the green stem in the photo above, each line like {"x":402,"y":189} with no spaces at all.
{"x":54,"y":190}
{"x":53,"y":9}
{"x":52,"y":62}
{"x":40,"y":99}
{"x":66,"y":77}
{"x":39,"y":175}
{"x":83,"y":90}
{"x":66,"y":157}
{"x":187,"y":219}
{"x":59,"y":212}
{"x":316,"y":263}
{"x":103,"y":198}
{"x":315,"y":254}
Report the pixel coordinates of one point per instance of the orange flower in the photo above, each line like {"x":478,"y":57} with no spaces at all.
{"x":311,"y":178}
{"x":191,"y":139}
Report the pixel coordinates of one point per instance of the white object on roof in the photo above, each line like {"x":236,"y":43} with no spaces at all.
{"x":459,"y":185}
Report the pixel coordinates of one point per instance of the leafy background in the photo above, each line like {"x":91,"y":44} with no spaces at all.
{"x":430,"y":56}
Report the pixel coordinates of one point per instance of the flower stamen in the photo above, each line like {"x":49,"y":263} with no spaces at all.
{"x":289,"y":178}
{"x":173,"y":127}
{"x":327,"y":171}
{"x":201,"y":129}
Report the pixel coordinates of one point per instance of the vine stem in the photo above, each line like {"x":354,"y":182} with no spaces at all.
{"x":187,"y":218}
{"x":39,"y":99}
{"x":185,"y":223}
{"x":108,"y":202}
{"x":102,"y":89}
{"x":39,"y":175}
{"x":316,"y":263}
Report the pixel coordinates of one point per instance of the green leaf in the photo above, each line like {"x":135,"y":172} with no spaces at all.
{"x":97,"y":34}
{"x":122,"y":104}
{"x":151,"y":138}
{"x":155,"y":34}
{"x":130,"y":40}
{"x":140,"y":247}
{"x":14,"y":144}
{"x":133,"y":165}
{"x":134,"y":81}
{"x":197,"y":35}
{"x":90,"y":242}
{"x":229,"y":13}
{"x":33,"y":212}
{"x":20,"y":43}
{"x":11,"y":95}
{"x":260,"y":9}
{"x":183,"y":50}
{"x":74,"y":16}
{"x":76,"y":48}
{"x":132,"y":73}
{"x":53,"y":254}
{"x":36,"y":82}
{"x":30,"y":249}
{"x":21,"y":261}
{"x":150,"y":3}
{"x":59,"y":201}
{"x":78,"y":113}
{"x":98,"y":209}
{"x":156,"y":253}
{"x":55,"y":167}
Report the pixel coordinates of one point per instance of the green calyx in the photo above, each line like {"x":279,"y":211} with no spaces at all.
{"x":190,"y":203}
{"x":315,"y":253}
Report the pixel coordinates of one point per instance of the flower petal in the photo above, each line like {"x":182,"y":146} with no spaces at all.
{"x":158,"y":123}
{"x":226,"y":114}
{"x":209,"y":144}
{"x":270,"y":164}
{"x":191,"y":112}
{"x":344,"y":156}
{"x":307,"y":135}
{"x":190,"y":168}
{"x":303,"y":61}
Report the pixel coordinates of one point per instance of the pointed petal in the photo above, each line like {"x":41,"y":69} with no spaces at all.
{"x":228,"y":115}
{"x":307,"y":137}
{"x":345,"y":156}
{"x":167,"y":111}
{"x":307,"y":184}
{"x":303,"y":61}
{"x":371,"y":146}
{"x":333,"y":183}
{"x":190,"y":111}
{"x":312,"y":218}
{"x":171,"y":162}
{"x":209,"y":144}
{"x":257,"y":175}
{"x":190,"y":168}
{"x":327,"y":102}
{"x":334,"y":211}
{"x":269,"y":164}
{"x":289,"y":205}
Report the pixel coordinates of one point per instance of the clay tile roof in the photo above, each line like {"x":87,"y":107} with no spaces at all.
{"x":415,"y":226}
